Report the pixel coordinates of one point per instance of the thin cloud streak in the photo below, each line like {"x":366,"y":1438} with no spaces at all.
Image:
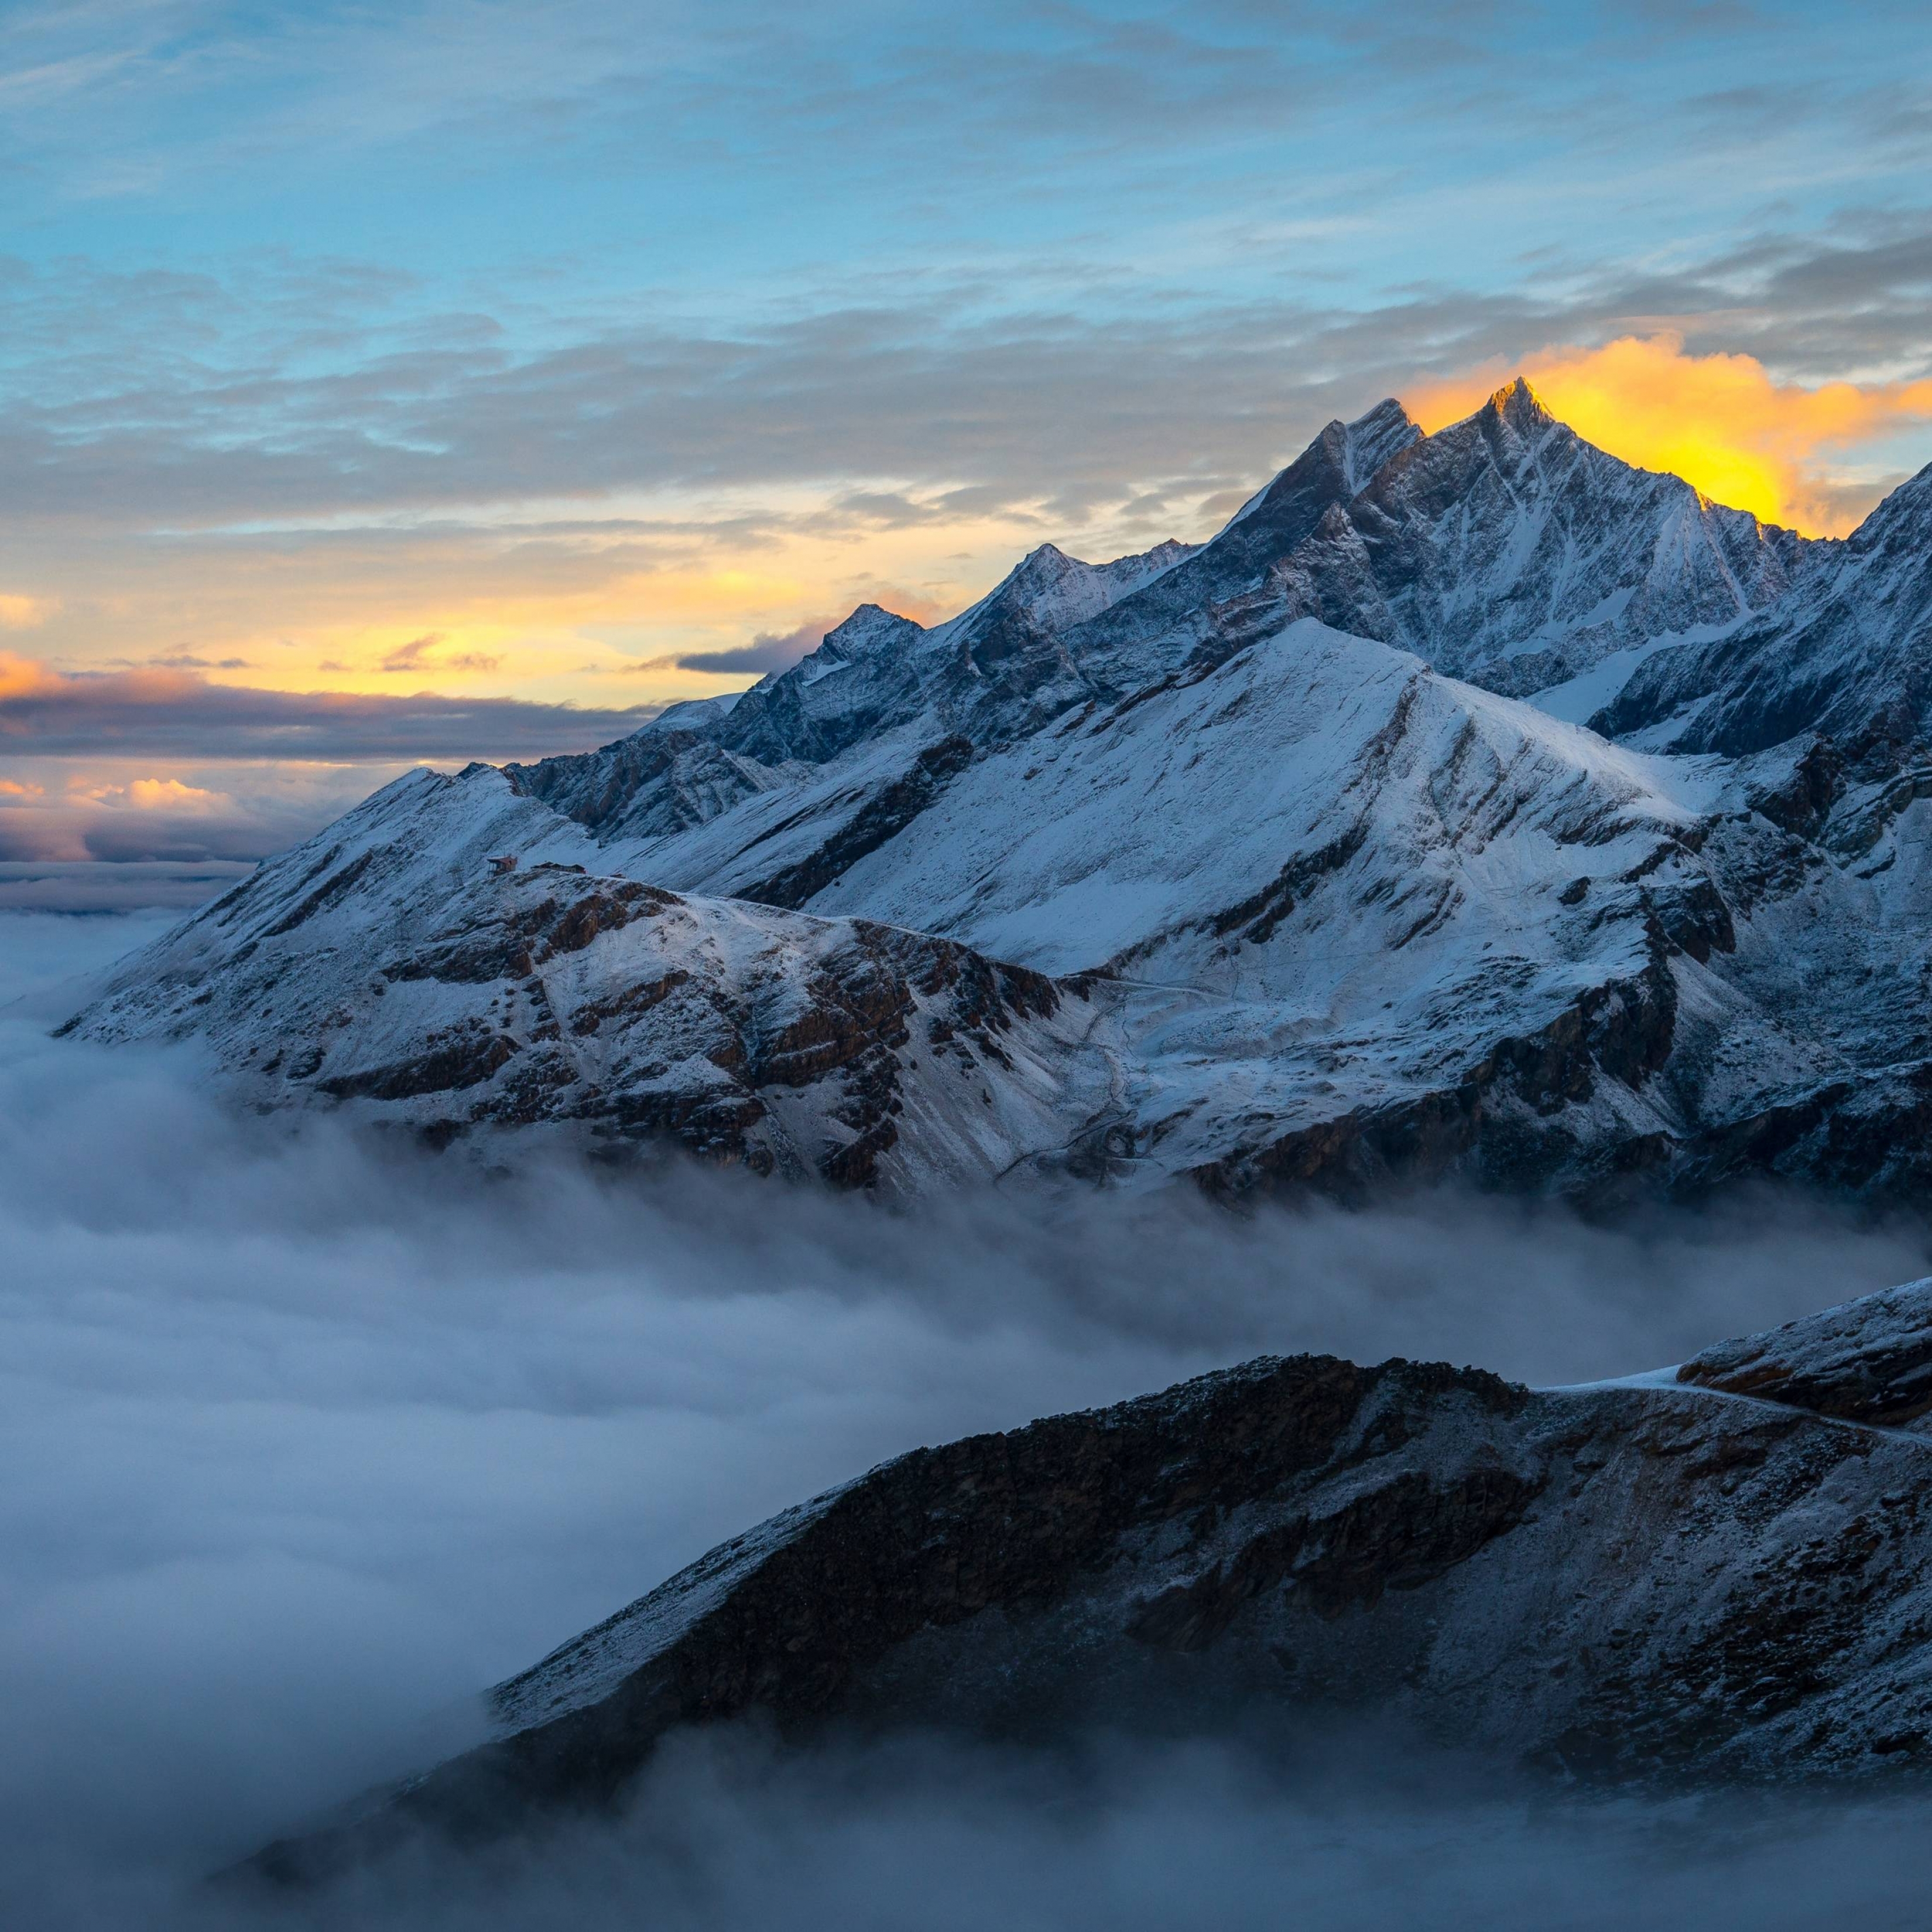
{"x":177,"y":714}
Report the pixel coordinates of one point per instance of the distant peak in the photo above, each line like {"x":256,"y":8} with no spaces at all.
{"x":1519,"y":406}
{"x":1372,"y":438}
{"x":869,"y":621}
{"x":1387,"y":414}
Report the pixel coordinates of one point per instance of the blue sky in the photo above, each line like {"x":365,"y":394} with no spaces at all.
{"x":510,"y":352}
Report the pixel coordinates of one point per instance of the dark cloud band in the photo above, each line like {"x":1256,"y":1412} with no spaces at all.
{"x":177,"y":714}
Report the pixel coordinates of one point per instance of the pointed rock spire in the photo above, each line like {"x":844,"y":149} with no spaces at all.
{"x":1372,"y":438}
{"x":1520,"y":406}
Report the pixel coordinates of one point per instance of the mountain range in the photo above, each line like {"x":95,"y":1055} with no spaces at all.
{"x":1474,"y":805}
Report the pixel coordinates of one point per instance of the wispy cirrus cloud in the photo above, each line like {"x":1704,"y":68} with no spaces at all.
{"x":421,"y":655}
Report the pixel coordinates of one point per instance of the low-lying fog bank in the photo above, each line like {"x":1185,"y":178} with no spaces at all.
{"x":310,"y":1438}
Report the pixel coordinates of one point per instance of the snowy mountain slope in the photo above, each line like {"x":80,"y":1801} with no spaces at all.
{"x":1336,"y":917}
{"x":384,"y":968}
{"x":1508,"y":550}
{"x":1849,"y":653}
{"x":1152,"y":630}
{"x":1868,"y":1360}
{"x":1361,"y":919}
{"x":1319,"y":916}
{"x":1637,"y":1580}
{"x":1323,"y":879}
{"x":1503,"y":549}
{"x":1133,"y":836}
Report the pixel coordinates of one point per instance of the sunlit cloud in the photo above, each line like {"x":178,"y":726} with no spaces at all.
{"x":25,"y":677}
{"x":424,"y":654}
{"x":19,"y":613}
{"x":157,"y":795}
{"x":1721,"y":422}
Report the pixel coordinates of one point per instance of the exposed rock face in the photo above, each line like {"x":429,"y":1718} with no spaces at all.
{"x":350,"y":973}
{"x":1508,"y":550}
{"x":1849,"y":653}
{"x":1504,"y":550}
{"x":1868,"y":1360}
{"x":1156,"y":628}
{"x":1623,"y":1580}
{"x":1337,"y":918}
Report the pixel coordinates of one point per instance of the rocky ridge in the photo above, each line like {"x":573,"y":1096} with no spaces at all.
{"x":1846,"y":657}
{"x":1312,"y":911}
{"x":1678,"y":1575}
{"x":841,"y":1049}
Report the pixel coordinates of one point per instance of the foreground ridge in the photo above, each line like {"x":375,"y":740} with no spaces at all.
{"x":1672,"y":1576}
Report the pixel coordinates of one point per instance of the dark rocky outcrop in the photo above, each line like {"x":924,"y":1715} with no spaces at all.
{"x":1868,"y":1360}
{"x":1649,"y":1580}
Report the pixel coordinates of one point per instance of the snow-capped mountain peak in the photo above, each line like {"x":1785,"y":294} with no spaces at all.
{"x":1244,"y":861}
{"x":1517,"y":404}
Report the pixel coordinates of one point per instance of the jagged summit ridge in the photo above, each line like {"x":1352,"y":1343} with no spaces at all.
{"x":1502,"y":549}
{"x":1322,"y":903}
{"x":1849,"y":653}
{"x":1517,"y":403}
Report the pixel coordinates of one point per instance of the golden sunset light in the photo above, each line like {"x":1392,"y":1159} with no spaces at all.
{"x":1344,"y":921}
{"x":1719,"y":421}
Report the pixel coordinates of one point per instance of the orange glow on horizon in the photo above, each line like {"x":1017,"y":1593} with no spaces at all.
{"x":1719,"y":421}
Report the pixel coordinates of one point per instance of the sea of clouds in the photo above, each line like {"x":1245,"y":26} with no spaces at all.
{"x":308,"y":1437}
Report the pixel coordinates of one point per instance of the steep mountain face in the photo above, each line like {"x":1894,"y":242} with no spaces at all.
{"x":1669,"y":1576}
{"x":1849,"y":654}
{"x":1345,"y":879}
{"x":374,"y":970}
{"x":1317,"y":917}
{"x":1504,"y":550}
{"x":1507,"y":551}
{"x":1315,"y":913}
{"x":1157,"y":625}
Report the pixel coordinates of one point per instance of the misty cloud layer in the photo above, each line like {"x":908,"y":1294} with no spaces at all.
{"x":1345,"y":1831}
{"x":315,"y":1437}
